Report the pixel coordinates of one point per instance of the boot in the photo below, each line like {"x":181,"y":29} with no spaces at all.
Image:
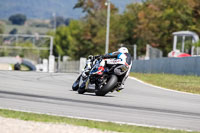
{"x":121,"y":87}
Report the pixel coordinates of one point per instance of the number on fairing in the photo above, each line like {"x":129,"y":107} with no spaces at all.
{"x":114,"y":61}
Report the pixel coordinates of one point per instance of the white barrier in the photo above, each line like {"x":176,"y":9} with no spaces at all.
{"x":82,"y":64}
{"x":181,"y":66}
{"x":51,"y":63}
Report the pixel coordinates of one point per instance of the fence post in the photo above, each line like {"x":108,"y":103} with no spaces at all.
{"x":51,"y":45}
{"x":174,"y":43}
{"x":192,"y":51}
{"x":147,"y":57}
{"x":45,"y":65}
{"x":51,"y":63}
{"x":59,"y":62}
{"x":197,"y":50}
{"x":134,"y":51}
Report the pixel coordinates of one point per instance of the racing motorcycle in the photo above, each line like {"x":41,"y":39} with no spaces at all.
{"x":100,"y":84}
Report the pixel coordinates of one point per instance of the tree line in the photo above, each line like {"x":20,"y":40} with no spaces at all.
{"x":151,"y":22}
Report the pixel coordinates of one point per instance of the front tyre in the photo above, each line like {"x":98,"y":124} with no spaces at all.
{"x":75,"y":86}
{"x":108,"y":87}
{"x":81,"y":89}
{"x":82,"y":86}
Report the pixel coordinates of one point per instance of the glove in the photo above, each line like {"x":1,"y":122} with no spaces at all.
{"x":98,"y":57}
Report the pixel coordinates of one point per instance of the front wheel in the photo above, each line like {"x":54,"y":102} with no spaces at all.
{"x":112,"y":82}
{"x":82,"y":86}
{"x":75,"y":86}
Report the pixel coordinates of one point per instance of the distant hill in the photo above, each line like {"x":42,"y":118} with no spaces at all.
{"x":43,"y":9}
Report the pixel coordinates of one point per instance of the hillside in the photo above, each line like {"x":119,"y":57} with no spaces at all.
{"x":43,"y":9}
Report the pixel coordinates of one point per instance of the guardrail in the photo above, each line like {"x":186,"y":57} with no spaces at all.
{"x":72,"y":66}
{"x":181,"y":66}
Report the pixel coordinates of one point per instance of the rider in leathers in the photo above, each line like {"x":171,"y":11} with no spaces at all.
{"x":123,"y":66}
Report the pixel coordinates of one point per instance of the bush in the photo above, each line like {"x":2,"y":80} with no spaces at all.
{"x":13,"y":31}
{"x":18,"y":19}
{"x":1,"y":28}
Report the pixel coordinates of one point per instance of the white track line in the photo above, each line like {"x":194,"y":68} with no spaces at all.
{"x":100,"y":120}
{"x":133,"y":78}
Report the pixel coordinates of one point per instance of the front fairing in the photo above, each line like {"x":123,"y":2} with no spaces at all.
{"x":95,"y":67}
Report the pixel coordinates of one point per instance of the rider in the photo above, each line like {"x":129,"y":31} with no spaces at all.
{"x":123,"y":64}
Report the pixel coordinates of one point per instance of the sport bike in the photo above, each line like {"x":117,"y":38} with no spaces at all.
{"x":100,"y":84}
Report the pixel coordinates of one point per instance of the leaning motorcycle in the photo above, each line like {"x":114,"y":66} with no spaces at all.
{"x":91,"y":81}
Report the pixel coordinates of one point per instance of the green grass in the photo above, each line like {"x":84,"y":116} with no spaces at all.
{"x":79,"y":122}
{"x":23,"y":67}
{"x":176,"y":82}
{"x":24,"y":29}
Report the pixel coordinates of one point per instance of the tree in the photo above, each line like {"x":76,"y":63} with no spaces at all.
{"x":94,"y":31}
{"x":151,"y":22}
{"x":1,"y":31}
{"x":79,"y":45}
{"x":67,"y":21}
{"x":91,"y":7}
{"x":18,"y":19}
{"x":159,"y":19}
{"x":1,"y":28}
{"x":195,"y":5}
{"x":13,"y":31}
{"x":61,"y":42}
{"x":128,"y":23}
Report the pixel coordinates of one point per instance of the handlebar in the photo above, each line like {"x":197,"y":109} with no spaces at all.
{"x":98,"y":57}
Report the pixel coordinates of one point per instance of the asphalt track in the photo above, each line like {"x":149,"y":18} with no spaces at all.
{"x":138,"y":103}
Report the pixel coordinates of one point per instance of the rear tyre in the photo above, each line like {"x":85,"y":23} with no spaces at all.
{"x":108,"y":87}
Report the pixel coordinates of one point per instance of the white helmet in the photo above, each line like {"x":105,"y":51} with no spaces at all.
{"x":123,"y":50}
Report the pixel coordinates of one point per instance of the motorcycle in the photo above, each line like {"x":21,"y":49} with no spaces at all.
{"x":103,"y":83}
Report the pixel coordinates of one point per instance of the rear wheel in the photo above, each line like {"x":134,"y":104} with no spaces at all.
{"x":112,"y":82}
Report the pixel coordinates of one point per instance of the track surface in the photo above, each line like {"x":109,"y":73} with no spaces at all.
{"x":138,"y":103}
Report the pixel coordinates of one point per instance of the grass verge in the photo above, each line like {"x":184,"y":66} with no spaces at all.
{"x":176,"y":82}
{"x":24,"y":29}
{"x":23,"y":67}
{"x":89,"y":123}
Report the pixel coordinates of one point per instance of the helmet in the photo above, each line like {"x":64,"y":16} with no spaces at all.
{"x":123,"y":50}
{"x":91,"y":57}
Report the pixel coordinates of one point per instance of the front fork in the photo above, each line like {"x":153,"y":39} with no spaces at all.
{"x":84,"y":81}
